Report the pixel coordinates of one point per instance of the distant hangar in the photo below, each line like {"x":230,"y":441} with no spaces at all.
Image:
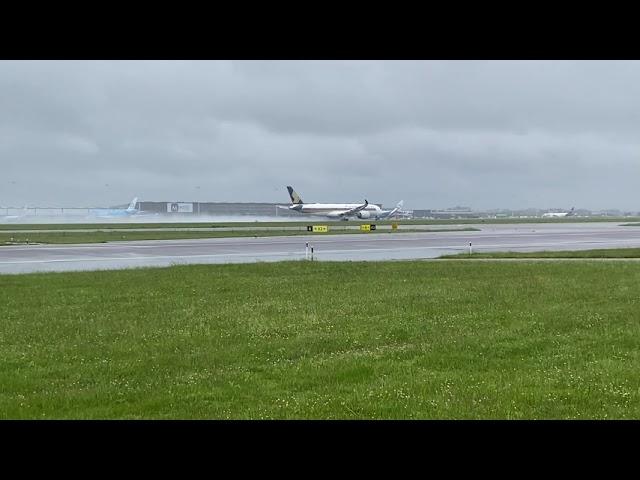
{"x":216,"y":208}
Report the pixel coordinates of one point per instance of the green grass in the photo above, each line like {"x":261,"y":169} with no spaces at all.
{"x":324,"y":340}
{"x":124,"y":235}
{"x":597,"y":253}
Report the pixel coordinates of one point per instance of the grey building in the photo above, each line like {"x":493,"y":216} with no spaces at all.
{"x":217,"y":209}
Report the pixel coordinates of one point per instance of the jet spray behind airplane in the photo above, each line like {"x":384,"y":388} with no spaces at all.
{"x":339,"y":211}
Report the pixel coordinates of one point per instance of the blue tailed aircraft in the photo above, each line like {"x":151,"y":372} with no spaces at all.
{"x":131,"y":210}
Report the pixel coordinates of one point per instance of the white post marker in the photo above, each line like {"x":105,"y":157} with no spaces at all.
{"x":306,"y":251}
{"x":470,"y":248}
{"x":312,"y":252}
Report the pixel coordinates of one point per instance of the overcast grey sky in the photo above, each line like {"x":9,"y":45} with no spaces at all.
{"x":484,"y":134}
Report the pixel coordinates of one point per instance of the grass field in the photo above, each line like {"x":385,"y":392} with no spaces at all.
{"x":445,"y":339}
{"x":124,"y":235}
{"x":596,"y":253}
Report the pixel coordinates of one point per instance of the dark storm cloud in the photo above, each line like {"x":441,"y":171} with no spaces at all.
{"x":437,"y":134}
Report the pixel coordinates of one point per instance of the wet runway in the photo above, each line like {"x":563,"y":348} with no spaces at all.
{"x":387,"y":246}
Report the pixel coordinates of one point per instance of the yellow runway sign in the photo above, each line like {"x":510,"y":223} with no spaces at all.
{"x":320,"y":228}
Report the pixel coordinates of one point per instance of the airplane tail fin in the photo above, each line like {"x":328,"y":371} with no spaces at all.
{"x":295,"y":198}
{"x":132,"y":205}
{"x":390,"y":213}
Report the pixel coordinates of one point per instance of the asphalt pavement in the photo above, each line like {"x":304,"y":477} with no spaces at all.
{"x":359,"y":247}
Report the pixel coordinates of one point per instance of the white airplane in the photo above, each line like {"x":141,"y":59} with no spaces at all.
{"x":339,"y":211}
{"x":570,"y":213}
{"x":397,"y":211}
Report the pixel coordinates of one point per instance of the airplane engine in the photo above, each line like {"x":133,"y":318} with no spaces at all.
{"x":364,"y":214}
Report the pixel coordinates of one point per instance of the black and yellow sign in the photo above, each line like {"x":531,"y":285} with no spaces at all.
{"x":394,"y":226}
{"x":320,"y":228}
{"x":366,"y":227}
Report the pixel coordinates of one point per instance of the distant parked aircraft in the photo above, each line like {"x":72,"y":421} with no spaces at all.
{"x":339,"y":211}
{"x":116,"y":212}
{"x":395,"y":211}
{"x":570,"y":213}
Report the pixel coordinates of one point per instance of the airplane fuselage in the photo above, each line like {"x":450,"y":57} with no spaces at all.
{"x":555,"y":214}
{"x":337,"y":210}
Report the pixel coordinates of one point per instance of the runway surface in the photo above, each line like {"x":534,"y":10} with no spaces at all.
{"x":372,"y":247}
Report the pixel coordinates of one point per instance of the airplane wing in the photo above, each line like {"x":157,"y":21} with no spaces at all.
{"x":355,"y":210}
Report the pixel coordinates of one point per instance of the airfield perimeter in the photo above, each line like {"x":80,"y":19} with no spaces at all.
{"x":387,"y":246}
{"x":323,"y":340}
